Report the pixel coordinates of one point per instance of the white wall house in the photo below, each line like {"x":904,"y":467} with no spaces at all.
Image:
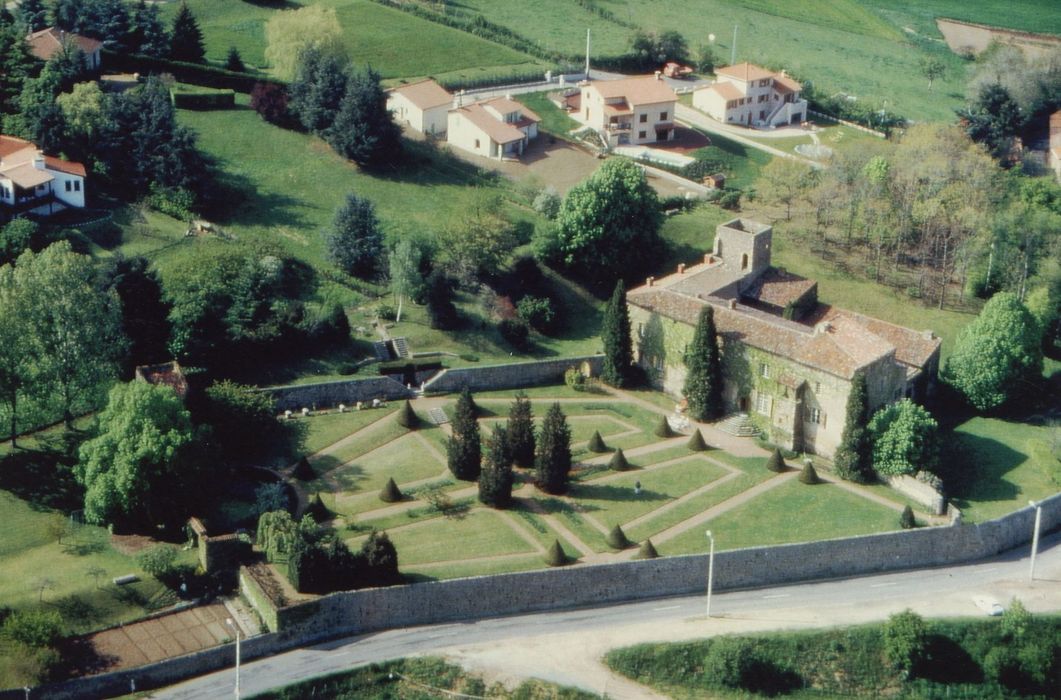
{"x":496,"y":128}
{"x":48,"y":42}
{"x":630,"y":111}
{"x":423,"y":105}
{"x":751,"y":95}
{"x":31,"y":182}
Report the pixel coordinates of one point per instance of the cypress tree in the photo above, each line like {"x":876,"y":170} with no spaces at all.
{"x":407,"y":417}
{"x":663,"y":428}
{"x":234,"y":62}
{"x":615,"y":334}
{"x":555,"y":556}
{"x":554,"y":452}
{"x":703,"y":382}
{"x":495,"y":480}
{"x":317,"y":510}
{"x":464,"y":451}
{"x":906,"y":519}
{"x":521,"y":439}
{"x":696,"y":441}
{"x":596,"y":443}
{"x":303,"y":471}
{"x":776,"y":462}
{"x":808,"y":475}
{"x":617,"y":538}
{"x":618,"y":461}
{"x":186,"y":39}
{"x":647,"y":551}
{"x":390,"y":492}
{"x":854,"y":456}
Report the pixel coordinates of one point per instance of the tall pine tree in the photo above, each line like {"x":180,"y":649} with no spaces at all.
{"x":147,"y":33}
{"x":554,"y":452}
{"x":495,"y":480}
{"x":186,"y":39}
{"x":703,"y":382}
{"x":854,"y":456}
{"x":521,"y":431}
{"x":32,"y":15}
{"x":364,"y":130}
{"x":464,"y":451}
{"x":615,"y":334}
{"x":318,"y":88}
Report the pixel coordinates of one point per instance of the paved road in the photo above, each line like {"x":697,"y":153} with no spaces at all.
{"x":565,"y":646}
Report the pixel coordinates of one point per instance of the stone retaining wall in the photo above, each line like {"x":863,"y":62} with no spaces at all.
{"x":329,"y":394}
{"x":510,"y":376}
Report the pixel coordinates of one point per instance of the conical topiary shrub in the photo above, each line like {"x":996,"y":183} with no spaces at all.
{"x":663,"y":428}
{"x":407,"y":417}
{"x":906,"y":520}
{"x":775,"y":462}
{"x":617,"y":539}
{"x":317,"y":510}
{"x":618,"y":461}
{"x":304,"y":472}
{"x":808,"y":475}
{"x":391,"y":493}
{"x":555,"y":556}
{"x":696,"y":441}
{"x":596,"y":443}
{"x":647,"y":551}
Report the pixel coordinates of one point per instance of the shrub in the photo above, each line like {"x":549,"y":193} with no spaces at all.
{"x":663,"y":428}
{"x":729,"y":662}
{"x":176,"y":202}
{"x":390,"y":493}
{"x":538,"y":313}
{"x":158,"y":560}
{"x":386,"y":312}
{"x":905,"y":641}
{"x":647,"y":551}
{"x":696,"y":441}
{"x":555,"y":556}
{"x":575,"y":379}
{"x":203,"y":99}
{"x":617,"y":538}
{"x":317,"y":510}
{"x":596,"y":443}
{"x":1016,"y":620}
{"x":34,"y":628}
{"x":547,"y":203}
{"x":303,"y":471}
{"x":618,"y":461}
{"x":807,"y":475}
{"x":730,"y":199}
{"x":906,"y":520}
{"x":407,"y":417}
{"x":776,"y":462}
{"x":269,"y":100}
{"x":516,"y":332}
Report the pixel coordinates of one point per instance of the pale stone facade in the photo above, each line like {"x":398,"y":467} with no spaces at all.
{"x":630,"y":111}
{"x":787,"y":360}
{"x":750,"y":95}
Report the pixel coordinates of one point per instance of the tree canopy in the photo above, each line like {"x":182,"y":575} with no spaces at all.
{"x":364,"y":129}
{"x":905,"y":439}
{"x":996,"y":355}
{"x":554,"y":452}
{"x":608,"y":225}
{"x":355,"y":242}
{"x":133,"y":472}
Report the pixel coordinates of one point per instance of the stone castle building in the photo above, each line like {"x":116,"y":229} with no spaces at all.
{"x":787,"y":360}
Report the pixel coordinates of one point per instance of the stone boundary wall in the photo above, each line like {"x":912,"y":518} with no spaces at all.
{"x":353,"y":612}
{"x":919,"y":491}
{"x":510,"y":376}
{"x":329,"y":394}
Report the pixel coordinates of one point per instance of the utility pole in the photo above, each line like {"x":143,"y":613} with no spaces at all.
{"x":710,"y":571}
{"x":587,"y":53}
{"x":1035,"y":536}
{"x":733,"y":49}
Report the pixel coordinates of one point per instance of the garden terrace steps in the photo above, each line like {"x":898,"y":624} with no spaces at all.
{"x":383,"y":352}
{"x":739,"y":425}
{"x":437,"y":415}
{"x":401,"y":347}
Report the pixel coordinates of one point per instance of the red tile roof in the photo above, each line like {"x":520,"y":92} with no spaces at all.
{"x":745,"y":72}
{"x":640,"y":90}
{"x":425,"y":94}
{"x":65,"y":166}
{"x":46,"y":42}
{"x":779,"y":288}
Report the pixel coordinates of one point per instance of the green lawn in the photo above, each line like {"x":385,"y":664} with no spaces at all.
{"x":1007,"y":464}
{"x":327,"y":429}
{"x":1028,"y":15}
{"x":554,"y":120}
{"x":377,"y":435}
{"x":741,"y":164}
{"x":480,"y":534}
{"x":405,"y":460}
{"x":792,"y":512}
{"x":395,"y":43}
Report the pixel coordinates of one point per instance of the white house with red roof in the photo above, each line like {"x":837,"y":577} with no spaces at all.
{"x":629,"y":111}
{"x":751,"y":95}
{"x":48,"y":42}
{"x":31,"y":182}
{"x":496,"y":128}
{"x":423,"y":105}
{"x":1053,"y":156}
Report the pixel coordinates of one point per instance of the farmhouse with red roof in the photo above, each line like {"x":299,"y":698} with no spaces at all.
{"x":751,"y":95}
{"x":31,"y":182}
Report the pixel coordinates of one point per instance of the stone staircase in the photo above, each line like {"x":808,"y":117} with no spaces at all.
{"x":738,"y":424}
{"x":437,"y":416}
{"x":401,"y":348}
{"x":382,"y":350}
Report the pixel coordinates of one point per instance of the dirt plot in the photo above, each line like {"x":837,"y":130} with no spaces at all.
{"x":162,"y":637}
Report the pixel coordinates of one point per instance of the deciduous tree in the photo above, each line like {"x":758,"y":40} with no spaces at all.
{"x":291,"y":34}
{"x":905,"y":439}
{"x":996,"y":355}
{"x":703,"y":380}
{"x":783,"y":181}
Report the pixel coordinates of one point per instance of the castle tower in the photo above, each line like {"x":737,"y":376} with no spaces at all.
{"x":744,"y":247}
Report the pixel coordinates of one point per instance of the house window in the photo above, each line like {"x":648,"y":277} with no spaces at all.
{"x":763,"y":403}
{"x":69,"y":186}
{"x":764,"y":370}
{"x":814,"y":415}
{"x":77,"y":185}
{"x":641,"y":134}
{"x":817,"y":387}
{"x":764,"y":82}
{"x":477,"y":143}
{"x":663,"y":116}
{"x":643,"y":118}
{"x":744,"y":261}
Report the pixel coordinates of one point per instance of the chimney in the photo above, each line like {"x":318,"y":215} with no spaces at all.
{"x":38,"y":160}
{"x":733,"y":303}
{"x":681,"y":268}
{"x":708,"y":259}
{"x":649,"y":281}
{"x":823,"y":328}
{"x":659,"y":75}
{"x":927,"y":334}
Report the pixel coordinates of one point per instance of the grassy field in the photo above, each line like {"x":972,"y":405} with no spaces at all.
{"x":1028,"y":15}
{"x":554,"y":120}
{"x":395,"y":43}
{"x":1008,"y":464}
